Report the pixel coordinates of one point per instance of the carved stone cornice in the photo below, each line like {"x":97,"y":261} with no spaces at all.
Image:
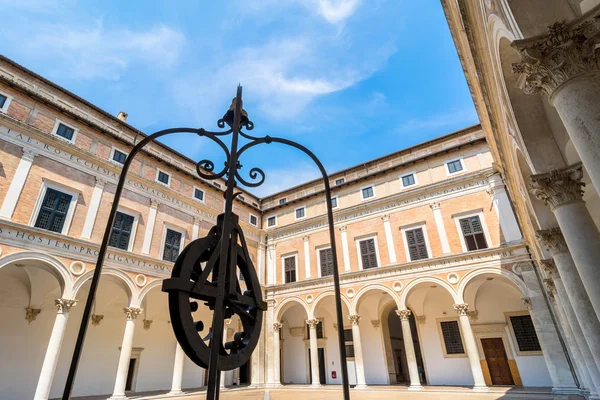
{"x":64,"y":305}
{"x":354,"y":319}
{"x":96,"y":319}
{"x":31,"y":314}
{"x":558,"y":187}
{"x":404,"y":315}
{"x":553,"y":240}
{"x":462,"y":309}
{"x":567,"y":51}
{"x":312,"y":323}
{"x":527,"y":302}
{"x":132,"y":313}
{"x":549,"y":267}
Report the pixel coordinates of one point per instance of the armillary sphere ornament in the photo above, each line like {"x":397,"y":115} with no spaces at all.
{"x":207,"y":272}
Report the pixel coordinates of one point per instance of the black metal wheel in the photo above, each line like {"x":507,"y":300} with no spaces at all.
{"x":192,"y":286}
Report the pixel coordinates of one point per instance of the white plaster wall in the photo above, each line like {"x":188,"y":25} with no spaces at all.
{"x":294,"y":360}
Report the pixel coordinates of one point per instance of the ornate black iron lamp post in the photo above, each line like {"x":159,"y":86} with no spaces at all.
{"x":223,"y":251}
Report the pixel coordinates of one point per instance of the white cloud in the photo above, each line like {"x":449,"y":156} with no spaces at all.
{"x":456,"y":117}
{"x":336,"y":11}
{"x":96,"y":52}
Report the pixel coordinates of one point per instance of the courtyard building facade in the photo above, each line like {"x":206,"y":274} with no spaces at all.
{"x":443,"y":283}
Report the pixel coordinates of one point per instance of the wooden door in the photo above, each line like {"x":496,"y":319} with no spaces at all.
{"x":495,"y":355}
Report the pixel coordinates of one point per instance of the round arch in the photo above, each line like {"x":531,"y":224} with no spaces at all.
{"x":462,"y":286}
{"x":145,"y":290}
{"x":418,"y":281}
{"x":323,"y":295}
{"x":121,"y":278}
{"x":366,"y":289}
{"x":289,"y":302}
{"x":49,"y":264}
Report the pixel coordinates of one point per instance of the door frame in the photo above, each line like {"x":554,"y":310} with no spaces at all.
{"x":490,"y":331}
{"x":136,"y":353}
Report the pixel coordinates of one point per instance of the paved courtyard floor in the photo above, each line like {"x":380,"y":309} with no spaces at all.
{"x":296,"y":392}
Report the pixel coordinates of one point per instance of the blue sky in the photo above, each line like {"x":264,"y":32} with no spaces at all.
{"x":350,"y":79}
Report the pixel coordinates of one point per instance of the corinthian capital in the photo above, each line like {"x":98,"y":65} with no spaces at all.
{"x":553,"y":240}
{"x":64,"y":305}
{"x":312,"y":323}
{"x":462,"y":309}
{"x":549,"y":267}
{"x":132,"y":313}
{"x":277,"y":326}
{"x":567,"y":51}
{"x":354,"y":319}
{"x":558,"y":187}
{"x":404,"y":315}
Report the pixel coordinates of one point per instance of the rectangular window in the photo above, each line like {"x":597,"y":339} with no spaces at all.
{"x":272,"y":221}
{"x":53,"y":211}
{"x":339,"y":181}
{"x":2,"y":101}
{"x":198,"y":194}
{"x":289,"y":265}
{"x":242,"y":198}
{"x":349,"y":341}
{"x":334,"y":202}
{"x":524,"y":330}
{"x":300,"y":212}
{"x":217,"y":185}
{"x":282,"y":201}
{"x":454,"y":166}
{"x":65,"y":131}
{"x":163,"y":177}
{"x":326,"y":260}
{"x":319,"y":330}
{"x":416,"y":244}
{"x":408,"y":180}
{"x":367,"y":192}
{"x":473,"y":233}
{"x":119,"y":156}
{"x":368,"y":253}
{"x":452,"y":338}
{"x":253,"y":220}
{"x":172,"y":245}
{"x":121,"y":231}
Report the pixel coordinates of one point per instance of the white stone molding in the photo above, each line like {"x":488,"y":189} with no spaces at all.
{"x":439,"y":224}
{"x":77,"y":268}
{"x":387,"y":227}
{"x":504,"y":210}
{"x":141,"y":280}
{"x":17,"y":183}
{"x":196,"y":227}
{"x":271,"y":263}
{"x":305,"y":239}
{"x":150,"y":226}
{"x":345,"y":250}
{"x":559,"y":187}
{"x":90,"y":218}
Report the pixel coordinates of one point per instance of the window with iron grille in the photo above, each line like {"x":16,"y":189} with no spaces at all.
{"x":300,"y":213}
{"x":198,"y":194}
{"x":163,"y":177}
{"x":121,"y":231}
{"x":455,"y":166}
{"x":53,"y":211}
{"x":319,"y":330}
{"x":272,"y":221}
{"x":349,"y":341}
{"x":119,"y":156}
{"x":253,"y":220}
{"x":368,"y":253}
{"x":452,"y":338}
{"x":334,"y":202}
{"x":326,"y":260}
{"x":416,"y":244}
{"x":282,"y":201}
{"x":2,"y":100}
{"x":367,"y":192}
{"x":289,"y":265}
{"x":172,"y":245}
{"x":525,"y":333}
{"x":408,"y":180}
{"x":473,"y":233}
{"x":65,"y":131}
{"x":339,"y":181}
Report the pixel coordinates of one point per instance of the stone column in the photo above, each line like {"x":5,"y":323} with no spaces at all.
{"x":565,"y":65}
{"x":345,"y":251}
{"x":580,"y":350}
{"x":314,"y":352}
{"x":361,"y":383}
{"x":16,"y":185}
{"x":562,"y":191}
{"x":90,"y":218}
{"x":276,"y":354}
{"x":124,"y":357}
{"x":225,"y":332}
{"x":439,"y":224}
{"x":177,"y":371}
{"x":306,"y":256}
{"x":196,"y":228}
{"x":409,"y":349}
{"x":552,"y":350}
{"x":271,"y":264}
{"x":150,"y":226}
{"x":584,"y":313}
{"x":53,"y":350}
{"x":471,"y":347}
{"x":387,"y":227}
{"x":504,"y":211}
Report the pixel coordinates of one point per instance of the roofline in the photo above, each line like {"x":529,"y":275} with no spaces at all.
{"x":407,"y":149}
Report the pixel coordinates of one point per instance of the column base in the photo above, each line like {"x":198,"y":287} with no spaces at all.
{"x":273,"y":385}
{"x":481,"y":389}
{"x":415,"y":387}
{"x":117,"y":397}
{"x":175,"y":393}
{"x":361,"y":387}
{"x":315,"y":385}
{"x":566,"y":390}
